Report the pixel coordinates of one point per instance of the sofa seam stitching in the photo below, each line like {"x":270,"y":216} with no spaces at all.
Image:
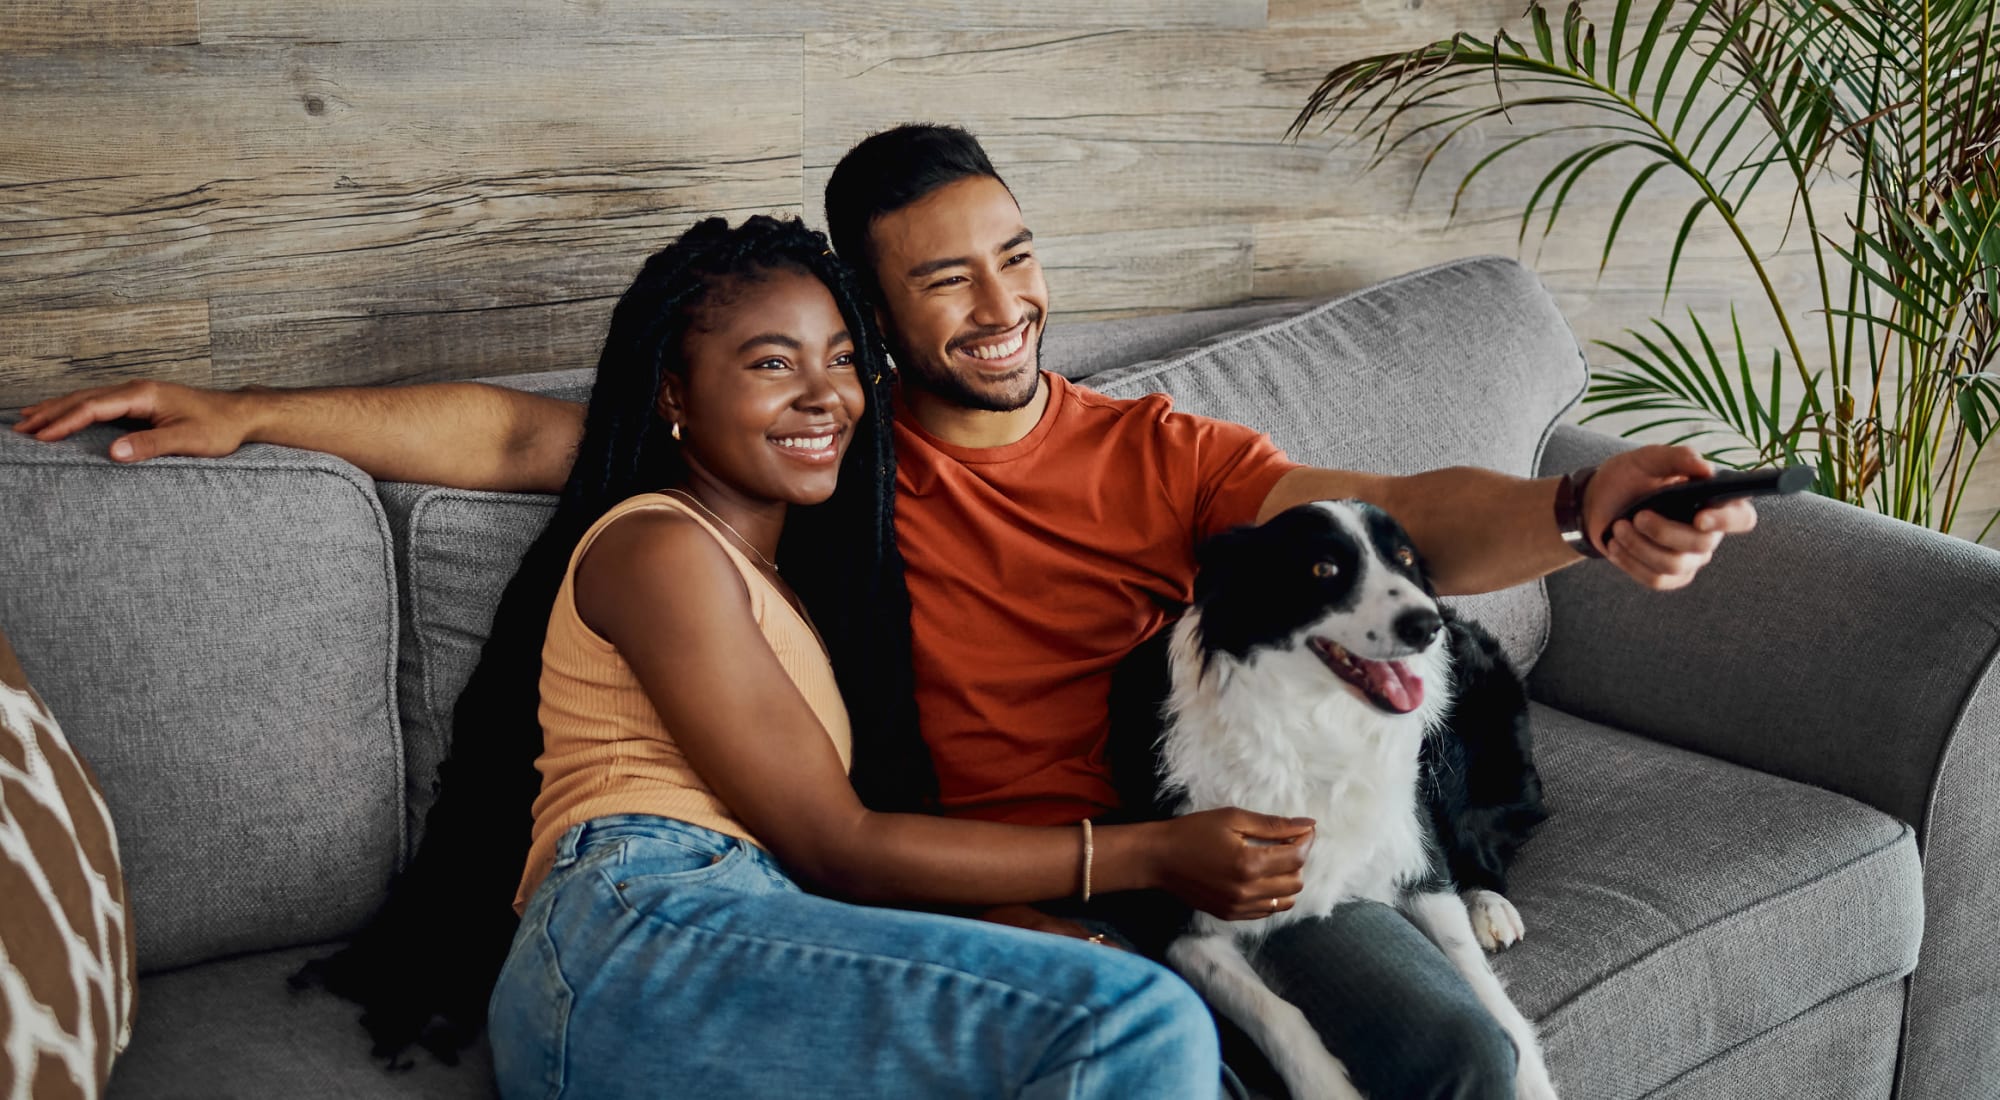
{"x":1938,"y":770}
{"x":1866,"y":983}
{"x":1903,"y":833}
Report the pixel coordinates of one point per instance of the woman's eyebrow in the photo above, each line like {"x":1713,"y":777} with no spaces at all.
{"x":778,"y":338}
{"x":788,"y":342}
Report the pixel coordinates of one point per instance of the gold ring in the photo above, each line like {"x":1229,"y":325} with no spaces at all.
{"x":1097,"y":939}
{"x":1274,"y":905}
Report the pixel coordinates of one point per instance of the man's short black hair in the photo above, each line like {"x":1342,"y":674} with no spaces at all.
{"x":886,"y":172}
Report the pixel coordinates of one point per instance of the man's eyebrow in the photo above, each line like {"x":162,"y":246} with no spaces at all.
{"x":932,"y":267}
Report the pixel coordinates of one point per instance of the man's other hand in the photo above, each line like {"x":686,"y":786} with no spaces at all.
{"x":186,"y":421}
{"x":1654,"y":550}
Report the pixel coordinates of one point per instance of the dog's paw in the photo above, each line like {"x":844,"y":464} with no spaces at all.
{"x":1495,"y":922}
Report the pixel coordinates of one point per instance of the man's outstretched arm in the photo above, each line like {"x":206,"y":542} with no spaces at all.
{"x":1480,"y":530}
{"x":462,"y":434}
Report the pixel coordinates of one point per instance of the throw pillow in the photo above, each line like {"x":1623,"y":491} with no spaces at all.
{"x":66,"y":947}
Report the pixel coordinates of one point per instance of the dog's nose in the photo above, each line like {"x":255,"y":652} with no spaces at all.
{"x":1417,"y":627}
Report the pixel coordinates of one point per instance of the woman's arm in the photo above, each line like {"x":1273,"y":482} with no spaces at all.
{"x":660,"y":589}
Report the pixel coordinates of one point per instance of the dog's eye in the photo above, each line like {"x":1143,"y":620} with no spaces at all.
{"x":1405,"y":556}
{"x":1324,"y":569}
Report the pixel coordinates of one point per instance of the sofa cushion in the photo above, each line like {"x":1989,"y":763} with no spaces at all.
{"x":66,"y":950}
{"x":1678,"y":906}
{"x":456,"y":550}
{"x":219,"y":638}
{"x":232,"y":1030}
{"x":1467,"y":363}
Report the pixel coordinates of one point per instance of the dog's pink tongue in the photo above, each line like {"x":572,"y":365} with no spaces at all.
{"x":1393,"y":683}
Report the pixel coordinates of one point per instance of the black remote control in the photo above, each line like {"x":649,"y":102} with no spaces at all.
{"x":1680,"y":502}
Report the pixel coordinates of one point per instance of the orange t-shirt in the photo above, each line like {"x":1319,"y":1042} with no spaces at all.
{"x":1034,"y":568}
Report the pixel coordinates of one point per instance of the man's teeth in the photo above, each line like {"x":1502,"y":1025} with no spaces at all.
{"x":999,"y":351}
{"x":807,"y":442}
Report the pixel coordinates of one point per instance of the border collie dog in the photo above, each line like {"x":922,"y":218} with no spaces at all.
{"x":1317,"y":676}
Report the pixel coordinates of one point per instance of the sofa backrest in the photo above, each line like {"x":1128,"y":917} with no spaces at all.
{"x":217,"y":637}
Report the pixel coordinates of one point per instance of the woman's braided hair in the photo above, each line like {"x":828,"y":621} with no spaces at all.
{"x":425,"y":965}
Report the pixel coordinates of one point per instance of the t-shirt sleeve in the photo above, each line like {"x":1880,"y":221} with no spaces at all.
{"x":1230,"y":470}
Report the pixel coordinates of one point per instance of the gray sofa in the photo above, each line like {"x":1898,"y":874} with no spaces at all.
{"x":1773,"y":864}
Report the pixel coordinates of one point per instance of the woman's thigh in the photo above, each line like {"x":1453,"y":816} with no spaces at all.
{"x":656,"y":968}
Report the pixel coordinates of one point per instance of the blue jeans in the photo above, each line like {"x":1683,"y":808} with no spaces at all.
{"x":661,"y":959}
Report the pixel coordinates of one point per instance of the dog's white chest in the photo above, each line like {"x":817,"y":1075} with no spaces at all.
{"x":1361,"y":790}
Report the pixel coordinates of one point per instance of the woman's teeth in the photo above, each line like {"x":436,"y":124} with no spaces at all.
{"x":807,"y":443}
{"x":999,"y":351}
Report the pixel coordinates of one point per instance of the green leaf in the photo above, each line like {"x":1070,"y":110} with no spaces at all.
{"x":1716,"y":52}
{"x":1624,"y":205}
{"x":1618,"y":19}
{"x":1596,"y":154}
{"x":1978,"y":401}
{"x":1680,"y":241}
{"x":1544,"y":38}
{"x":1666,"y":78}
{"x":1647,"y":40}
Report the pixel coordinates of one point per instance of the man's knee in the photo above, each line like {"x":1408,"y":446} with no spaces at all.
{"x":1462,"y":1056}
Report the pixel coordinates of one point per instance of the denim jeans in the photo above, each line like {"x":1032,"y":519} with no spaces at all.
{"x":661,"y":959}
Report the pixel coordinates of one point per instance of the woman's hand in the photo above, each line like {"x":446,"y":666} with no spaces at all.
{"x":1232,"y":863}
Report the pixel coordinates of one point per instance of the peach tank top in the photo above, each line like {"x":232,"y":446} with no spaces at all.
{"x":604,"y":750}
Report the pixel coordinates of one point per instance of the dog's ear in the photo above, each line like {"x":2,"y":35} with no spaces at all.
{"x":1221,"y":555}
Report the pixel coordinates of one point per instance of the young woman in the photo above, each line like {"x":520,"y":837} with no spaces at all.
{"x":694,"y":754}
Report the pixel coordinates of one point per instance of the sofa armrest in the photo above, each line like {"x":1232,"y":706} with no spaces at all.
{"x":1839,"y":648}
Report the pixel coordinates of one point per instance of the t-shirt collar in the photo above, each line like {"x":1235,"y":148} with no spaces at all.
{"x":1027,"y":444}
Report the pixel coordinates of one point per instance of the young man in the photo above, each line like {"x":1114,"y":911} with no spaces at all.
{"x":1043,"y":527}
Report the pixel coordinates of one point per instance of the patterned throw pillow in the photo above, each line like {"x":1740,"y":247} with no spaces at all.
{"x":66,"y":949}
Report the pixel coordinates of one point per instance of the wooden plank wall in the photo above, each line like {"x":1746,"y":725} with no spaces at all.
{"x":347,"y":191}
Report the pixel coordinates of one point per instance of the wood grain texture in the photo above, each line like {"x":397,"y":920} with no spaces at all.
{"x":1125,"y":272}
{"x":1386,"y":24}
{"x":80,"y":24}
{"x":527,"y":314}
{"x":447,"y":20}
{"x":325,"y":173}
{"x":1132,"y":129}
{"x":49,"y":352}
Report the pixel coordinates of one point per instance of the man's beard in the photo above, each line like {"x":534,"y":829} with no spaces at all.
{"x":946,"y":383}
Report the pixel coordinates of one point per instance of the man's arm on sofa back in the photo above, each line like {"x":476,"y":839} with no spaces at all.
{"x":462,"y":434}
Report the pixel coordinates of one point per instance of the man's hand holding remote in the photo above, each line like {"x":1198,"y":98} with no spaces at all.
{"x":1658,"y":552}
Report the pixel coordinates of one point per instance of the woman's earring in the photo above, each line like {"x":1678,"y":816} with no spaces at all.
{"x":677,"y":431}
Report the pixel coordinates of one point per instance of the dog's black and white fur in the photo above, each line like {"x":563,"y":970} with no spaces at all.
{"x":1317,"y":676}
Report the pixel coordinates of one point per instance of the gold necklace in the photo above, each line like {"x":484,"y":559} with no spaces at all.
{"x":747,"y":544}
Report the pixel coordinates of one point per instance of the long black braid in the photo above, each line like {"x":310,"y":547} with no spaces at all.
{"x":425,"y":965}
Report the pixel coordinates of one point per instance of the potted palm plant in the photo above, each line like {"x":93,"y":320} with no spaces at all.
{"x":1882,"y":117}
